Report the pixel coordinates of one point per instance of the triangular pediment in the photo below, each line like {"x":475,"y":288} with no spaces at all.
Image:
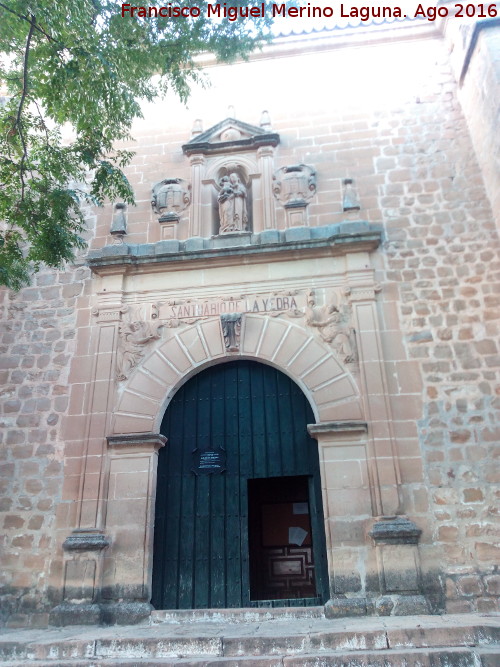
{"x":228,"y":135}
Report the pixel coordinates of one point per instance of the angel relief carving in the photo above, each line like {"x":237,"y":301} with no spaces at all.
{"x":333,"y":324}
{"x":134,"y":336}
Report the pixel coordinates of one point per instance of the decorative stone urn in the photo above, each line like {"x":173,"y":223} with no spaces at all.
{"x":170,"y":198}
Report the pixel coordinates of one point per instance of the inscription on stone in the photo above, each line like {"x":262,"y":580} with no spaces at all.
{"x":213,"y":307}
{"x":209,"y":461}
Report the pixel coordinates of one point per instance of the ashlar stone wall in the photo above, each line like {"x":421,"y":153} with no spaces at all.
{"x":37,"y":341}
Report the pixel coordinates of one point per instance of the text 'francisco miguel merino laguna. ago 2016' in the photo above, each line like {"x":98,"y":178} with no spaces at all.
{"x":363,"y":13}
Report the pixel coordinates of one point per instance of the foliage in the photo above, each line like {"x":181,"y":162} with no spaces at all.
{"x":81,"y":65}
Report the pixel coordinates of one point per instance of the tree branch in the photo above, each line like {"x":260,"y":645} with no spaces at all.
{"x":18,"y":123}
{"x":31,"y":21}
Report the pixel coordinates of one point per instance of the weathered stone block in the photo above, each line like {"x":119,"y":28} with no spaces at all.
{"x":194,"y":243}
{"x":338,"y":607}
{"x":168,"y":246}
{"x":297,"y":234}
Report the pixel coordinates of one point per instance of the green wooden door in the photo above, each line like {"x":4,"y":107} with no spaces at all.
{"x":229,"y":424}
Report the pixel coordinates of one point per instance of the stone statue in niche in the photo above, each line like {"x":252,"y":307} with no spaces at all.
{"x":333,"y":326}
{"x":131,"y":347}
{"x":232,"y":204}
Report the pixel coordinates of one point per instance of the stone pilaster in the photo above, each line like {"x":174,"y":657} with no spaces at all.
{"x":382,"y":456}
{"x":265,"y":156}
{"x":196,"y":211}
{"x":129,"y":522}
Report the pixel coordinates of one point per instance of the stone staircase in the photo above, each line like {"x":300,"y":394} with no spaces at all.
{"x":262,"y":638}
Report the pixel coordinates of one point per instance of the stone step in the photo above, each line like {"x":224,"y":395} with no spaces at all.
{"x":246,"y":615}
{"x":423,"y":657}
{"x":311,"y":641}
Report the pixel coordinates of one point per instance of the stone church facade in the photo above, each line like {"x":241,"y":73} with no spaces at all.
{"x":346,"y":240}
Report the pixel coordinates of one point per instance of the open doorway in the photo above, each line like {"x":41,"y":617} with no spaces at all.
{"x":280,"y":540}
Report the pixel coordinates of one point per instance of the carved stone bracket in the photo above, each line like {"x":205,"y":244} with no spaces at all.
{"x":231,"y":330}
{"x":170,"y":198}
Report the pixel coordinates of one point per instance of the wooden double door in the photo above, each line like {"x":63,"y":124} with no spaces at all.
{"x":239,"y":518}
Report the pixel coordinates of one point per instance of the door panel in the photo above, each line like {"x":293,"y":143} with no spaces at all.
{"x":253,"y":418}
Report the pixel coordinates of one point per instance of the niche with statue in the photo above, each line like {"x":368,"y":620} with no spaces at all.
{"x":232,"y":211}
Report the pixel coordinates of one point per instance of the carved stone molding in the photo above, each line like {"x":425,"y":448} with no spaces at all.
{"x":294,"y":185}
{"x":395,"y":530}
{"x":108,"y":313}
{"x":86,"y":540}
{"x":137,"y":440}
{"x":336,"y":428}
{"x":363,"y":292}
{"x":231,"y":330}
{"x":170,"y":198}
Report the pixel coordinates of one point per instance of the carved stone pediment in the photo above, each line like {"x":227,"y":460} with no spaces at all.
{"x":230,"y":135}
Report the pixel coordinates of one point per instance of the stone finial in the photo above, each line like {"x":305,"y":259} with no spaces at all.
{"x":231,"y":113}
{"x":197,"y":128}
{"x":118,"y":227}
{"x":350,"y":201}
{"x":295,"y":185}
{"x":170,"y":197}
{"x":265,"y":120}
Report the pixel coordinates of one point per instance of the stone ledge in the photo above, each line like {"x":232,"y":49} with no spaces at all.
{"x":339,"y":239}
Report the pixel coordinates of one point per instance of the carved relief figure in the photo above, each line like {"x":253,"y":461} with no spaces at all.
{"x":232,"y":204}
{"x":133,"y":338}
{"x":333,"y":327}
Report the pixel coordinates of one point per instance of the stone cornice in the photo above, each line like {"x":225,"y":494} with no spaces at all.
{"x":271,"y":245}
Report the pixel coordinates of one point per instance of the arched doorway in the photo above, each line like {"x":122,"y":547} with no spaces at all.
{"x":239,"y":518}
